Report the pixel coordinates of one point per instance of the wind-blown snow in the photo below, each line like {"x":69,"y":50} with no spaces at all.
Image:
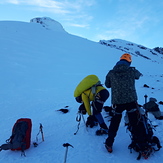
{"x":39,"y":71}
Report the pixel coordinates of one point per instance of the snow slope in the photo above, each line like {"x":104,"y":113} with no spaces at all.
{"x":40,"y":69}
{"x":134,"y":49}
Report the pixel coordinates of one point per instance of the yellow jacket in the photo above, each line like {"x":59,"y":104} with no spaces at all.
{"x":88,"y":96}
{"x":83,"y":89}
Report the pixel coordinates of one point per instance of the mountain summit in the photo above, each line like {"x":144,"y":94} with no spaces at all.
{"x":48,"y":23}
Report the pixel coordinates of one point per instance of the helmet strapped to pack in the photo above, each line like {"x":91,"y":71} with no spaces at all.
{"x":126,"y":57}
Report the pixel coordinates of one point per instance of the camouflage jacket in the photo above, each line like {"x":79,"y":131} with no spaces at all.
{"x":121,"y":80}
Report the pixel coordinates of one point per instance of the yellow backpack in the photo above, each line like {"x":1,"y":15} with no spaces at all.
{"x":88,"y":82}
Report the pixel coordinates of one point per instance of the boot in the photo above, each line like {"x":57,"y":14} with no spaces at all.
{"x":109,"y":148}
{"x":101,"y":131}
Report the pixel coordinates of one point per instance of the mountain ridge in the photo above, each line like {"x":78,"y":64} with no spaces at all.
{"x":129,"y":47}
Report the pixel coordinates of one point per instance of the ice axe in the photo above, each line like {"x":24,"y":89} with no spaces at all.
{"x":66,"y":145}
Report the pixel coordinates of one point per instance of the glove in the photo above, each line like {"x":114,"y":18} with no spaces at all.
{"x":78,"y":99}
{"x":82,"y":109}
{"x":91,"y":121}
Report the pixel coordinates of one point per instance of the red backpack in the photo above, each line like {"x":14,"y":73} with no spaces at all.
{"x":21,"y":136}
{"x":22,"y":130}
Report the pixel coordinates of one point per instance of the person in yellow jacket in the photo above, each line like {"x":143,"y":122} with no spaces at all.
{"x":92,"y":94}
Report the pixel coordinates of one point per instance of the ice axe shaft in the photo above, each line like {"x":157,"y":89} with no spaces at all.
{"x":66,"y":145}
{"x":66,"y":155}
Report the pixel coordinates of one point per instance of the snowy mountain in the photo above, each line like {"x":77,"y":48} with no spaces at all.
{"x":159,"y":50}
{"x":134,"y":49}
{"x":41,"y":64}
{"x":49,"y":24}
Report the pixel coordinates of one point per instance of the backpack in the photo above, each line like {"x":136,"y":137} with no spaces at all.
{"x":151,"y":106}
{"x":21,"y":136}
{"x":90,"y":81}
{"x":142,"y":139}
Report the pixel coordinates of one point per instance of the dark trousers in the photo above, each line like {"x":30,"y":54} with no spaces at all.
{"x":97,"y":106}
{"x":131,"y":108}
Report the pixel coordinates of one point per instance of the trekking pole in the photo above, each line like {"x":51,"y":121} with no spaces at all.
{"x":84,"y":121}
{"x":145,"y":96}
{"x":66,"y":145}
{"x":41,"y":130}
{"x":42,"y":134}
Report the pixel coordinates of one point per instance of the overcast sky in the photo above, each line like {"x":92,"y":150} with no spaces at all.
{"x":138,"y":21}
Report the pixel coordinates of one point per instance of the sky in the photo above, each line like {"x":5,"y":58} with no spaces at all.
{"x":137,"y":21}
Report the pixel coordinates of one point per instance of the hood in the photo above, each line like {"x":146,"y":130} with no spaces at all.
{"x":120,"y":68}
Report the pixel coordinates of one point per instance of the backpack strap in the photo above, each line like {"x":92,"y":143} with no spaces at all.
{"x":139,"y":156}
{"x":94,"y":88}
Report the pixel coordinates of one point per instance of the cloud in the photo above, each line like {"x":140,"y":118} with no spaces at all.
{"x":79,"y":25}
{"x":46,"y":4}
{"x":74,"y":11}
{"x":111,"y":34}
{"x":9,"y":1}
{"x":64,"y":5}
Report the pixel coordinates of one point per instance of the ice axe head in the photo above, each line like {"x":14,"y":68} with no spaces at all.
{"x":67,"y":144}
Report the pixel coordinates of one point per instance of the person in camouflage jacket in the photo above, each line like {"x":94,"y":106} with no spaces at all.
{"x":121,"y":80}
